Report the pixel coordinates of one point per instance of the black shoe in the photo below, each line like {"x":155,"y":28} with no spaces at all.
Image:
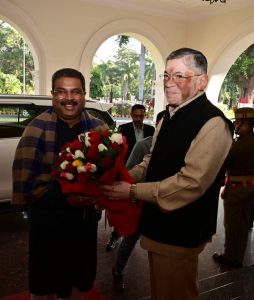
{"x":226,"y":262}
{"x":113,"y":243}
{"x":118,"y":281}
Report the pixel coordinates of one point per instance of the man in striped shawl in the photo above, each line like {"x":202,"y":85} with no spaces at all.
{"x":62,"y":238}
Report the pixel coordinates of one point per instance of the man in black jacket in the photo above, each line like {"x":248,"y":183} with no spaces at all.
{"x":136,"y":130}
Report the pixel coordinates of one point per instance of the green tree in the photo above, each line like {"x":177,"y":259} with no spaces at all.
{"x":14,"y":53}
{"x":127,"y":63}
{"x":109,"y":79}
{"x":123,"y":40}
{"x":150,"y":77}
{"x":96,"y":85}
{"x":239,"y":81}
{"x":120,"y":75}
{"x":9,"y":84}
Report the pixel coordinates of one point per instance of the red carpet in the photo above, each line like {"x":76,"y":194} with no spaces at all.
{"x":94,"y":294}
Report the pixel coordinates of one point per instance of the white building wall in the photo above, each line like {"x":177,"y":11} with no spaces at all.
{"x":64,"y":33}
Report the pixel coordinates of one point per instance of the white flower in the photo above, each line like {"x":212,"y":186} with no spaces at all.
{"x":102,"y":147}
{"x":81,"y":169}
{"x":117,"y":137}
{"x":79,"y":154}
{"x":87,"y":138}
{"x":64,"y":164}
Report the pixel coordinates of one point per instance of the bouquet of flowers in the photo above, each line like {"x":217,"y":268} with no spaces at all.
{"x":95,"y":158}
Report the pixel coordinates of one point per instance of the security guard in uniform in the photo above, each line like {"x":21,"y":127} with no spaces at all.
{"x":239,"y":190}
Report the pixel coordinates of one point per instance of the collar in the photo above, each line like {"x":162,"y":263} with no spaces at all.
{"x":172,"y":110}
{"x":137,"y":129}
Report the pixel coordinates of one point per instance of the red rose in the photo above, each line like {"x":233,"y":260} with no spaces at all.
{"x":77,"y":145}
{"x":93,"y":153}
{"x":57,"y":164}
{"x":104,"y":133}
{"x":66,"y":156}
{"x":94,"y":137}
{"x":62,"y":156}
{"x":106,"y":162}
{"x":54,"y":173}
{"x":115,"y":146}
{"x":70,"y":168}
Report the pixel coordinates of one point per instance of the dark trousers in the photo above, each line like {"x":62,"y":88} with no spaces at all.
{"x":238,"y":218}
{"x":62,"y":247}
{"x":124,"y":251}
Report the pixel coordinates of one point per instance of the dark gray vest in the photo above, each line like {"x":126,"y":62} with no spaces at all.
{"x":195,"y":223}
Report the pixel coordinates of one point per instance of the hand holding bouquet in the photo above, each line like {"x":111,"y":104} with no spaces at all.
{"x":97,"y":158}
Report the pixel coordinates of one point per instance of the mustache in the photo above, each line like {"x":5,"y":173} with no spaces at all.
{"x":69,"y":102}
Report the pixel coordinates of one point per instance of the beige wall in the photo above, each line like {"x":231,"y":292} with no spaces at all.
{"x":64,"y":33}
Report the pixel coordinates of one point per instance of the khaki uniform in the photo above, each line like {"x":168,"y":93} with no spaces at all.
{"x":239,"y":198}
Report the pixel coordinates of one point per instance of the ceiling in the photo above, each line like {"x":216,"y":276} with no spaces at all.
{"x":178,"y":9}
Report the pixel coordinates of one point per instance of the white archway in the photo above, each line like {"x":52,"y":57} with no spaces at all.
{"x":233,"y":46}
{"x":14,"y":16}
{"x":141,"y":31}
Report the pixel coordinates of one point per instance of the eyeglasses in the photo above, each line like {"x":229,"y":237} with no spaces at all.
{"x":176,"y":77}
{"x":63,"y":93}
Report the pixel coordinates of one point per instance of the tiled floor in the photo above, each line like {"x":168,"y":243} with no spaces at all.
{"x":136,"y":272}
{"x":13,"y":258}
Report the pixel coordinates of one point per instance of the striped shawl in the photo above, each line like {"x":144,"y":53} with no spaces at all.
{"x":37,"y":152}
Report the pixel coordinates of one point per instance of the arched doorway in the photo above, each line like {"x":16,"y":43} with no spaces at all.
{"x":143,"y":33}
{"x":231,"y":48}
{"x":14,"y":16}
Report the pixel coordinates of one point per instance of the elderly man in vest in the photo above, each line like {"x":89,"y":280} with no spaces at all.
{"x":182,"y":177}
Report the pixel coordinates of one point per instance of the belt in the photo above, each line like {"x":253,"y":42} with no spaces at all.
{"x":240,"y":181}
{"x":243,"y":183}
{"x":240,"y":178}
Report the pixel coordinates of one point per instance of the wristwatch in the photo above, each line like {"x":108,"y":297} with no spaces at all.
{"x":133,"y":197}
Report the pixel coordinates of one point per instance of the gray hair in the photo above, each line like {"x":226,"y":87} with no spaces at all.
{"x":198,"y":59}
